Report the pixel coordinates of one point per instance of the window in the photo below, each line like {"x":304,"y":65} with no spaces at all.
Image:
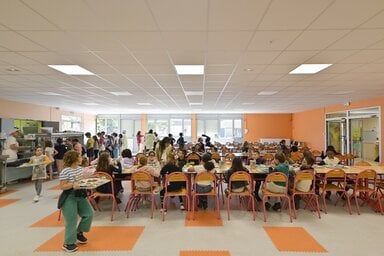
{"x":221,"y":128}
{"x":165,"y":124}
{"x":108,"y":125}
{"x":70,"y":123}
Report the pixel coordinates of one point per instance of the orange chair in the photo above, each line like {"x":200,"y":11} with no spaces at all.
{"x":365,"y":189}
{"x":275,"y":177}
{"x":339,"y":177}
{"x":137,"y":195}
{"x":310,"y":198}
{"x":268,"y":158}
{"x":194,"y":158}
{"x":111,"y":195}
{"x":176,"y":177}
{"x":216,"y":156}
{"x":209,"y":178}
{"x":248,"y":192}
{"x":349,"y":159}
{"x":297,"y":157}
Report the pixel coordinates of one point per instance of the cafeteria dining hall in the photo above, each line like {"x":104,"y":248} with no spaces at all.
{"x":191,"y":128}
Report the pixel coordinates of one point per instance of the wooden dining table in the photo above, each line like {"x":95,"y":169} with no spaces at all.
{"x":349,"y":169}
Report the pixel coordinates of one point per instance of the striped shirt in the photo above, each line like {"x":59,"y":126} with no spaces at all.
{"x":71,"y":175}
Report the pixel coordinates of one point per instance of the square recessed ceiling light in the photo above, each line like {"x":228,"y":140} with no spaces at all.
{"x":50,"y":93}
{"x":71,"y":69}
{"x":193,"y":93}
{"x":121,"y":93}
{"x":266,"y":93}
{"x":91,"y":104}
{"x":309,"y":68}
{"x":144,"y":104}
{"x":195,"y":103}
{"x":189,"y":69}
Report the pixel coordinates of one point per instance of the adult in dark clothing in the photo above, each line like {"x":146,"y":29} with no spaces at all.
{"x":168,"y":168}
{"x":104,"y":164}
{"x":61,"y":148}
{"x":180,"y":141}
{"x":207,"y":140}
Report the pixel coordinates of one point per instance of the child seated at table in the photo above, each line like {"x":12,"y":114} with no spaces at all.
{"x":168,"y":168}
{"x":105,"y":164}
{"x":144,"y":186}
{"x":331,"y":158}
{"x":202,"y":187}
{"x":278,"y":165}
{"x":181,"y":160}
{"x":237,"y":165}
{"x":153,"y":161}
{"x":127,"y":160}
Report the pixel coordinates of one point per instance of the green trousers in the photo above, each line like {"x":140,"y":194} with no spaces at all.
{"x":73,"y":207}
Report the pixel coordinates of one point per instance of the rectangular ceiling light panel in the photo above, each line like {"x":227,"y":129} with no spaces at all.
{"x":71,"y":70}
{"x":189,"y":69}
{"x":309,"y":68}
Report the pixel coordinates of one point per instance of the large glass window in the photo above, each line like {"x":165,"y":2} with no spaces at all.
{"x":108,"y":124}
{"x":165,"y":124}
{"x":221,"y":128}
{"x":71,"y":123}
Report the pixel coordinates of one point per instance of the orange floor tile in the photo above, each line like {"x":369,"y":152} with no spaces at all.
{"x":50,"y":221}
{"x":5,"y":202}
{"x":204,"y":253}
{"x":57,"y":187}
{"x":99,"y":239}
{"x":7,"y":192}
{"x":203,"y":219}
{"x":293,"y":239}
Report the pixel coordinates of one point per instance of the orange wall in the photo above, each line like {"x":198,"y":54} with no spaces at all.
{"x":309,"y":127}
{"x":258,"y":126}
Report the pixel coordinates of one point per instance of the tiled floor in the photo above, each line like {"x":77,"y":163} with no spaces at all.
{"x":29,"y":228}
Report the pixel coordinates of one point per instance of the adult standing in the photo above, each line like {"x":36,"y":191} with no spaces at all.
{"x":149,"y":140}
{"x":163,"y":149}
{"x":11,"y":146}
{"x":181,"y":141}
{"x":139,"y":139}
{"x":124,"y":140}
{"x":60,"y":148}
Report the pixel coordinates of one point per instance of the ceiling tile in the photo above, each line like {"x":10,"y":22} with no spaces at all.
{"x":316,"y":39}
{"x":294,"y":57}
{"x":359,"y":39}
{"x":356,"y":13}
{"x":16,"y":42}
{"x":272,"y":40}
{"x":281,"y":15}
{"x":180,"y":15}
{"x":231,"y":41}
{"x":235,"y":14}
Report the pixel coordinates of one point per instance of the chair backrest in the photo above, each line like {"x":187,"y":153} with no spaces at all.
{"x":176,"y":177}
{"x":206,"y":176}
{"x":336,"y":175}
{"x":105,"y":175}
{"x":276,"y":177}
{"x":363,"y":163}
{"x":296,"y":157}
{"x":367,"y":176}
{"x":216,"y":156}
{"x":241,"y":176}
{"x":307,"y":176}
{"x":194,"y":158}
{"x":349,"y":159}
{"x":141,"y":176}
{"x":316,"y":153}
